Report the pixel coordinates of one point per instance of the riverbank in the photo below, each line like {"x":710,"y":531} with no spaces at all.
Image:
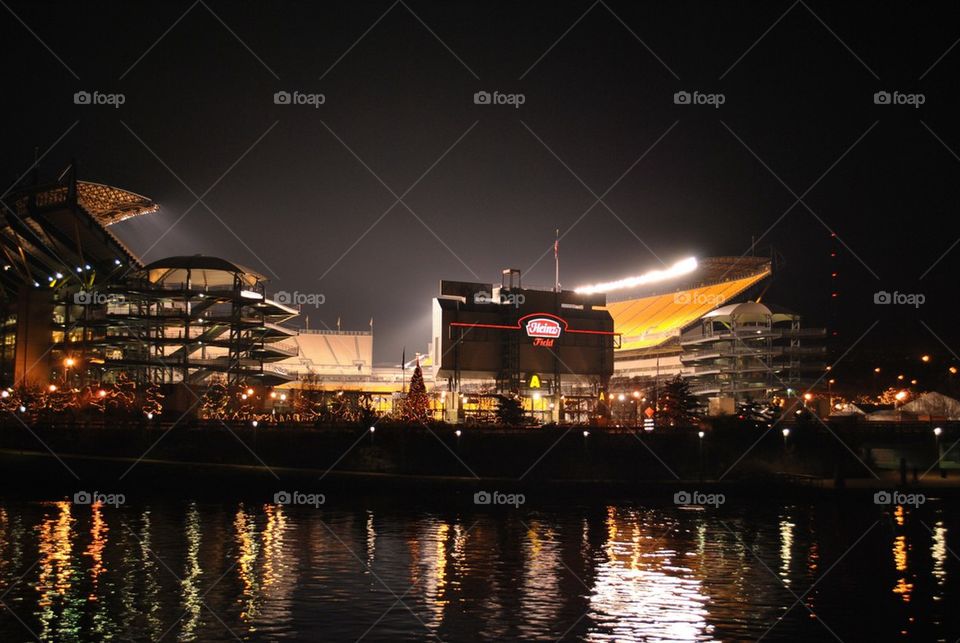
{"x":751,"y":461}
{"x":41,"y":475}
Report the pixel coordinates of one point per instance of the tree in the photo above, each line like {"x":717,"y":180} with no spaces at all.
{"x":215,"y":401}
{"x":152,"y":400}
{"x":509,"y":410}
{"x":677,"y":405}
{"x":417,"y":405}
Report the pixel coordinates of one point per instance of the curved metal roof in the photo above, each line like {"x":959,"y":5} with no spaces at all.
{"x":750,"y":310}
{"x":196,"y":262}
{"x":203,"y":270}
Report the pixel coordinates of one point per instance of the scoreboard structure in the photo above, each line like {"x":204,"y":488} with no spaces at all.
{"x":527,"y":342}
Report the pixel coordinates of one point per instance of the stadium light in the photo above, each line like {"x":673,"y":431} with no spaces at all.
{"x":682,"y":267}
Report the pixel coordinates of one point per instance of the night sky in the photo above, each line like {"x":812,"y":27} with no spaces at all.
{"x":301,"y":194}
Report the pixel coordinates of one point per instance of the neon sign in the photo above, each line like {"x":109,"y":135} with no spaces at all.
{"x":543,"y":327}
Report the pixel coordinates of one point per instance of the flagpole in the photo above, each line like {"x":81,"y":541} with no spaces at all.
{"x":556,"y":262}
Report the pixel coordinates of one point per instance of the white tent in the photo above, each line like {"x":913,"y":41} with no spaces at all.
{"x":847,"y":409}
{"x":935,"y":405}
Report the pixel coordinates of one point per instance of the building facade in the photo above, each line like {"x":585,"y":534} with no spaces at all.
{"x":552,"y":349}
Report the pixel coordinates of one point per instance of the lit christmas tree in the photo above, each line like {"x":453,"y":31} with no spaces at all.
{"x":417,"y":405}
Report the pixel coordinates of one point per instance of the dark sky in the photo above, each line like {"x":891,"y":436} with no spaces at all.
{"x":292,"y":201}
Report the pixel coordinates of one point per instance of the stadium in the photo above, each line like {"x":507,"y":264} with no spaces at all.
{"x":670,"y":322}
{"x":80,"y":309}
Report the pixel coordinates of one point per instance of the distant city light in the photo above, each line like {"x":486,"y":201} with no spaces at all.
{"x":680,"y":268}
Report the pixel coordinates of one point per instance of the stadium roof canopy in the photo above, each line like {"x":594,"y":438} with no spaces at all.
{"x":111,"y":205}
{"x":56,"y":233}
{"x":648,"y":316}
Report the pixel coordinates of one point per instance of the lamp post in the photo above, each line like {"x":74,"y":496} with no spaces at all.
{"x":899,"y":397}
{"x":700,"y":435}
{"x":67,"y":364}
{"x":936,"y":439}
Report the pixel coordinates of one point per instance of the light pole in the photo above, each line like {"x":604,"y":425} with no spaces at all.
{"x":67,"y":364}
{"x":700,"y":435}
{"x":899,"y":397}
{"x":936,"y":439}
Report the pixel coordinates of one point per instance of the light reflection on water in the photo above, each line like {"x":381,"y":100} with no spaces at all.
{"x":198,"y":572}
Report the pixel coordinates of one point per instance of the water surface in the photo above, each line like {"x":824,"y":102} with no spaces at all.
{"x":392,"y":572}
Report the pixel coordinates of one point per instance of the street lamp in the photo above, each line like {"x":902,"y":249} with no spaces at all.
{"x":68,"y":363}
{"x":899,"y":397}
{"x":700,"y":435}
{"x":936,"y":439}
